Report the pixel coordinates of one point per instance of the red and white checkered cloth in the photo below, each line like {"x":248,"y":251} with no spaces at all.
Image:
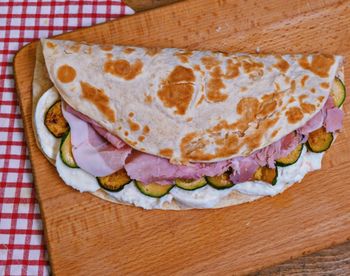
{"x":22,"y":249}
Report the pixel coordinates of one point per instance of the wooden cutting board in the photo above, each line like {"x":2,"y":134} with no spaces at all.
{"x":87,"y":236}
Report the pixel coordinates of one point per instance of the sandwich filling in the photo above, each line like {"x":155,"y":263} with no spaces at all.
{"x":151,"y":127}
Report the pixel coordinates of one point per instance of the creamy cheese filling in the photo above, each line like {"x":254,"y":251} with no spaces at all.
{"x":49,"y":143}
{"x":205,"y":197}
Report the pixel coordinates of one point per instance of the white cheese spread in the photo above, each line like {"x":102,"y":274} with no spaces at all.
{"x":49,"y":143}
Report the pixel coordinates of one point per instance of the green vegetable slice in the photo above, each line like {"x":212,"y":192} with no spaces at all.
{"x":153,"y":189}
{"x":266,"y":174}
{"x":319,"y":140}
{"x":54,"y":120}
{"x":291,"y":158}
{"x":338,"y":92}
{"x":221,"y":181}
{"x":190,"y":184}
{"x":114,"y":182}
{"x":66,"y":151}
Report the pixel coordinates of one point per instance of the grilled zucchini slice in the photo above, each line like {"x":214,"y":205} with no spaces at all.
{"x":66,"y":151}
{"x":338,"y":92}
{"x":266,"y":174}
{"x":319,"y":140}
{"x":221,"y":181}
{"x":114,"y":182}
{"x":153,"y":189}
{"x":54,"y":120}
{"x":190,"y":184}
{"x":291,"y":158}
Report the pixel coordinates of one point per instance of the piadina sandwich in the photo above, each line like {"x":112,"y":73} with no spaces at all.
{"x":178,"y":129}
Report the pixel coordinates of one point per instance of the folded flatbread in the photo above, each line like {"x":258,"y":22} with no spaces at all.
{"x":164,"y":114}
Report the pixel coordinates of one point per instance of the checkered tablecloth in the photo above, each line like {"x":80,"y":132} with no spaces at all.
{"x":22,"y":248}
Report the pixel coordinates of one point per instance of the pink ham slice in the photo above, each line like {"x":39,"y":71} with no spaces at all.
{"x":114,"y":140}
{"x":334,"y":119}
{"x":92,"y":153}
{"x":101,"y":153}
{"x":149,"y":168}
{"x":243,"y":169}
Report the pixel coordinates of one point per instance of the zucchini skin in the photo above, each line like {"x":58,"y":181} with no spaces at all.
{"x":64,"y":154}
{"x":339,"y":85}
{"x":190,"y":186}
{"x":285,"y":164}
{"x":143,"y":189}
{"x":214,"y":181}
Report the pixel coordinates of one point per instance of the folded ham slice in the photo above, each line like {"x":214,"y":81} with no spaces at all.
{"x":91,"y":151}
{"x":101,"y":153}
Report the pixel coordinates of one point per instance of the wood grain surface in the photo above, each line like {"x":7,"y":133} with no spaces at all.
{"x":88,"y":236}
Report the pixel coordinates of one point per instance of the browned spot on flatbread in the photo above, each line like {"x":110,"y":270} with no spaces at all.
{"x":75,"y":47}
{"x":287,"y":79}
{"x":251,"y":66}
{"x":268,"y":97}
{"x":98,"y":98}
{"x":141,"y":138}
{"x":183,"y":56}
{"x":282,"y":65}
{"x":106,"y":47}
{"x":320,"y":64}
{"x":189,"y":119}
{"x":148,"y":99}
{"x":274,"y":133}
{"x":193,"y":145}
{"x":126,"y":133}
{"x":324,"y":85}
{"x":243,"y":89}
{"x":303,"y":80}
{"x":210,"y":62}
{"x":50,"y":44}
{"x":201,"y":99}
{"x":66,"y":73}
{"x":291,"y":100}
{"x":254,"y":140}
{"x":167,"y":152}
{"x":133,"y":126}
{"x":215,"y":84}
{"x":292,"y":86}
{"x":267,"y":108}
{"x":232,"y":69}
{"x":313,"y":90}
{"x":306,"y":107}
{"x":302,"y":98}
{"x":248,"y":107}
{"x":131,"y":114}
{"x":145,"y":130}
{"x":123,"y":69}
{"x":128,"y":50}
{"x":153,"y":51}
{"x":294,"y":115}
{"x":320,"y":98}
{"x":277,"y":86}
{"x":196,"y":67}
{"x":177,"y":90}
{"x":130,"y":142}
